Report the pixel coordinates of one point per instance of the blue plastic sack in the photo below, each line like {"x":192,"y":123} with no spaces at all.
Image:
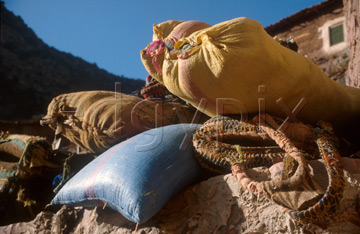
{"x":137,"y":176}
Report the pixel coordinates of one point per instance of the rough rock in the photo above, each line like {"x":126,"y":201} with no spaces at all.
{"x":217,"y":205}
{"x":352,"y":14}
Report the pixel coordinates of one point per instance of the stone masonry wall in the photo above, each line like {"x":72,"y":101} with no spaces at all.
{"x":308,"y":36}
{"x":352,"y":18}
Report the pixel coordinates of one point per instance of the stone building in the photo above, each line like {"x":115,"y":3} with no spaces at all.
{"x":320,"y":32}
{"x":352,"y":18}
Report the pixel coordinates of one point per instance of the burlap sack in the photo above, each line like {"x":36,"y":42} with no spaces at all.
{"x":27,"y":167}
{"x":96,"y":120}
{"x":236,"y":67}
{"x":26,"y":155}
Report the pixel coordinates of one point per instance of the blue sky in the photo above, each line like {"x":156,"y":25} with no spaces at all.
{"x":111,"y":33}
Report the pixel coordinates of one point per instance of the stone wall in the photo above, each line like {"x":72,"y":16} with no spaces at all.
{"x":217,"y":205}
{"x":352,"y":18}
{"x":310,"y":29}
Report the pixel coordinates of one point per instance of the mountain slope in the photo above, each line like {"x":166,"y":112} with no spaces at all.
{"x":32,"y":73}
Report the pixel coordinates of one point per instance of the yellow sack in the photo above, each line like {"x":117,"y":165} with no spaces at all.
{"x":96,"y":120}
{"x":236,"y":67}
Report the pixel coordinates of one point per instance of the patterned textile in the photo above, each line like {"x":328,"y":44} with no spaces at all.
{"x":226,"y":141}
{"x":153,"y":89}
